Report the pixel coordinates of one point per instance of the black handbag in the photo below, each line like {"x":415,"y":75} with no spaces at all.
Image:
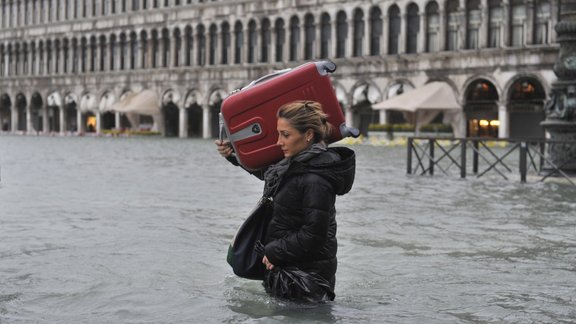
{"x":242,"y":256}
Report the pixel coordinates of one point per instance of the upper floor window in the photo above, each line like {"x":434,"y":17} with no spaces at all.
{"x":309,"y":36}
{"x":542,"y":23}
{"x":518,"y":19}
{"x":341,"y":34}
{"x":394,"y":29}
{"x":325,"y":33}
{"x":358,"y":32}
{"x":452,"y":25}
{"x":495,"y":20}
{"x":412,"y":28}
{"x":474,"y":20}
{"x":294,"y":37}
{"x":432,"y":27}
{"x":375,"y":30}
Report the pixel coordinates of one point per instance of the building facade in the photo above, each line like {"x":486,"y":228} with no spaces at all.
{"x":64,"y":64}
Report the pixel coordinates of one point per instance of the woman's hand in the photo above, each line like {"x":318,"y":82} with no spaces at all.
{"x":267,"y":263}
{"x":224,"y":148}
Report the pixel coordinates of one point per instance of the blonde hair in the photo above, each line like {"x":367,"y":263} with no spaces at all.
{"x":304,"y":115}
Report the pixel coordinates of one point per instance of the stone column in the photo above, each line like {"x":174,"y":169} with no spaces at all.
{"x":80,"y":129}
{"x":206,"y":131}
{"x":183,"y":122}
{"x":45,"y":119}
{"x":98,"y":122}
{"x":63,"y":124}
{"x":117,"y":121}
{"x":560,"y":123}
{"x":15,"y":118}
{"x":504,"y":119}
{"x":442,"y":30}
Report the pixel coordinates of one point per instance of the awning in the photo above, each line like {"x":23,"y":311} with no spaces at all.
{"x":421,"y":106}
{"x":432,"y":96}
{"x":144,"y":103}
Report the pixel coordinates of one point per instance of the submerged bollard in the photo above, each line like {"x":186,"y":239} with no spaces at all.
{"x":523,"y":161}
{"x":409,"y":156}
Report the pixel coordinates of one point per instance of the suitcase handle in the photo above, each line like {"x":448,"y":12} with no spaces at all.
{"x":323,"y":67}
{"x":266,"y":77}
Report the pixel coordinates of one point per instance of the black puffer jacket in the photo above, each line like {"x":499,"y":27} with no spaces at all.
{"x":303,"y":228}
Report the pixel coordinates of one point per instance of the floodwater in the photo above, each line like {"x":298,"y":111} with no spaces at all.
{"x":135,"y":230}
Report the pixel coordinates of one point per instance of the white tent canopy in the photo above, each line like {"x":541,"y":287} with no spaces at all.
{"x":422,"y":104}
{"x":145,"y":103}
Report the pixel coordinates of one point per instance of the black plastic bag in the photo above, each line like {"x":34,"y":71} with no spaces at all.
{"x":294,"y":284}
{"x":242,"y":256}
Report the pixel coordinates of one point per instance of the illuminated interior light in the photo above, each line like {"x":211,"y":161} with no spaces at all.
{"x":494,"y":123}
{"x":484,"y":122}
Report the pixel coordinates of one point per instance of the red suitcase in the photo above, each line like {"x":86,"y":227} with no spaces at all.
{"x":248,"y":116}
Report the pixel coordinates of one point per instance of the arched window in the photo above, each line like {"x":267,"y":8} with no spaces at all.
{"x":201,"y":37}
{"x":2,"y":67}
{"x":25,"y":58}
{"x":133,"y":50}
{"x":542,"y":22}
{"x":358,"y":32}
{"x":93,"y":53}
{"x":166,"y":47}
{"x":394,"y":22}
{"x":102,"y":53}
{"x":294,"y":37}
{"x":265,"y":40}
{"x":280,"y":39}
{"x":517,"y":19}
{"x":325,"y":35}
{"x":83,"y":55}
{"x":48,"y":57}
{"x":452,"y":41}
{"x":33,"y":59}
{"x":144,"y":47}
{"x":252,"y":40}
{"x":495,"y":20}
{"x":17,"y":59}
{"x":188,"y":44}
{"x":177,"y":47}
{"x":135,"y":5}
{"x":123,"y":51}
{"x":238,"y":42}
{"x":341,"y":34}
{"x":473,"y":22}
{"x":225,"y":49}
{"x":213,"y":34}
{"x":113,"y":52}
{"x":375,"y":30}
{"x":432,"y":27}
{"x":412,"y":28}
{"x":155,"y":49}
{"x":309,"y":36}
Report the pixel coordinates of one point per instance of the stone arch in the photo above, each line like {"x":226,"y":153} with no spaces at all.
{"x":194,"y":114}
{"x":53,"y":104}
{"x":364,"y":95}
{"x":107,"y":115}
{"x":20,"y":103}
{"x":526,"y":96}
{"x":71,"y":112}
{"x":481,"y":107}
{"x":215,"y":99}
{"x":171,"y":113}
{"x":5,"y":113}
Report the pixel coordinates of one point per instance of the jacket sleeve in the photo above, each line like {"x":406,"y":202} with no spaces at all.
{"x":257,"y":173}
{"x":300,"y":245}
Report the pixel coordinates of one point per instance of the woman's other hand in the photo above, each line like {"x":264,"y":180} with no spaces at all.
{"x":267,"y":263}
{"x":224,"y":148}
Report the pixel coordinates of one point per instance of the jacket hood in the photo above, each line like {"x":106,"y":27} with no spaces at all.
{"x":336,"y":164}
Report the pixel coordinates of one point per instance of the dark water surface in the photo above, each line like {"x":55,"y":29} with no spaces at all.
{"x":135,"y":230}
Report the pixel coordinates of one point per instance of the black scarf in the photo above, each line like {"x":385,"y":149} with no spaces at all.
{"x":274,"y":174}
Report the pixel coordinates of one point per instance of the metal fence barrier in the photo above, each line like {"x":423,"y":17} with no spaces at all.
{"x":501,"y":156}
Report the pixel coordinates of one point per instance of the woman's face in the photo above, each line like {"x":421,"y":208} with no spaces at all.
{"x":290,"y":140}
